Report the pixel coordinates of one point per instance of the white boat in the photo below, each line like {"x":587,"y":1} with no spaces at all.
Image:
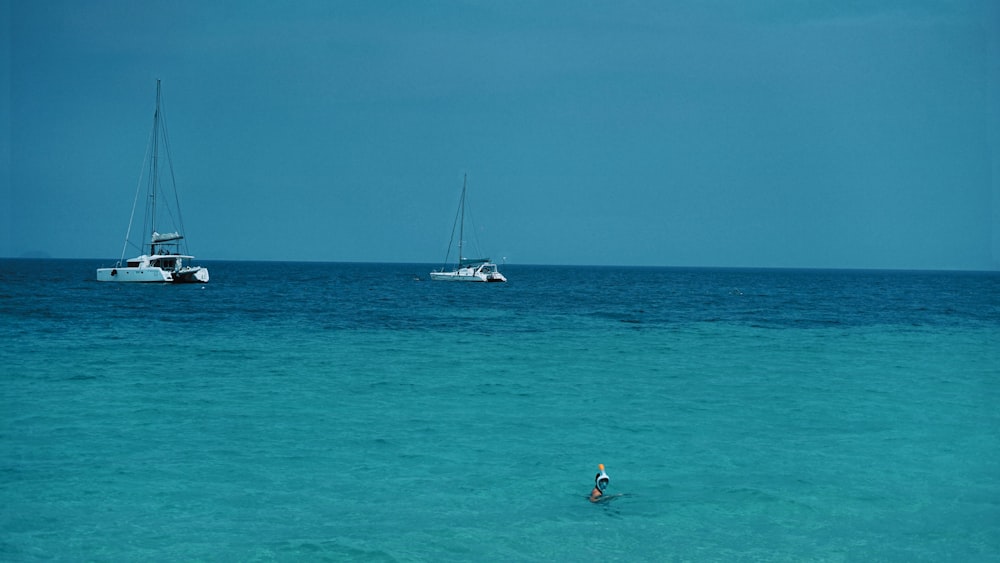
{"x":166,"y":260}
{"x":467,"y":269}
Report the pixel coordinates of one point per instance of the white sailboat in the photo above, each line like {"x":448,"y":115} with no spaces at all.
{"x":467,"y":269}
{"x":166,"y":261}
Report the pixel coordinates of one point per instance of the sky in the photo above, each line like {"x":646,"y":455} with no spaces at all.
{"x":714,"y":133}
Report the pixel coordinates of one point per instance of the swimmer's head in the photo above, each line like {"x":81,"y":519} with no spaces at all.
{"x":601,"y":480}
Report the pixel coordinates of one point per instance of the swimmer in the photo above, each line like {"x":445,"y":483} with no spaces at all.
{"x":601,"y":481}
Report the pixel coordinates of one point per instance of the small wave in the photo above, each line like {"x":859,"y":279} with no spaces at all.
{"x":80,"y":377}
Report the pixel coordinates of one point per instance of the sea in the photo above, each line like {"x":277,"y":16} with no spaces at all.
{"x":360,"y":412}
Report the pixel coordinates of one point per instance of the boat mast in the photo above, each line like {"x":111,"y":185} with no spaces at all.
{"x":154,"y":169}
{"x":461,"y":228}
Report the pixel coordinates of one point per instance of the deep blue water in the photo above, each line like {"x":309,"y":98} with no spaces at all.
{"x":305,"y":411}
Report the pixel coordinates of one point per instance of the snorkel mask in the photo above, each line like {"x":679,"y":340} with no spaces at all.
{"x":601,"y":479}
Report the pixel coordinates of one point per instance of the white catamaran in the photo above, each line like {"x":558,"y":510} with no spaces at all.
{"x":468,"y":269}
{"x":166,"y":260}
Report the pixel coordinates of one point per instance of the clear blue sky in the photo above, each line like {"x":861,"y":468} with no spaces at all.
{"x":672,"y":133}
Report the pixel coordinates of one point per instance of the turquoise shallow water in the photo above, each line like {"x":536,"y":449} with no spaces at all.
{"x":350,"y":412}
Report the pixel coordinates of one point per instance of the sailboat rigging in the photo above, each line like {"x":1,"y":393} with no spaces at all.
{"x":166,"y":260}
{"x":467,"y":269}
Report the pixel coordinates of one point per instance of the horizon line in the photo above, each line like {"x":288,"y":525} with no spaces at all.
{"x":563,"y":265}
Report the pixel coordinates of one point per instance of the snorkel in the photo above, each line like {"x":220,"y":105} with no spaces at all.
{"x":601,"y":480}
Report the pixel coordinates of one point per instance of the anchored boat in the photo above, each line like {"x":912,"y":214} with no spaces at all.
{"x":166,"y":260}
{"x":467,"y":269}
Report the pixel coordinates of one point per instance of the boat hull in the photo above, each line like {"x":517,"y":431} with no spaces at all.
{"x":191,"y":275}
{"x":480,"y":277}
{"x":456,"y":277}
{"x":152,"y":275}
